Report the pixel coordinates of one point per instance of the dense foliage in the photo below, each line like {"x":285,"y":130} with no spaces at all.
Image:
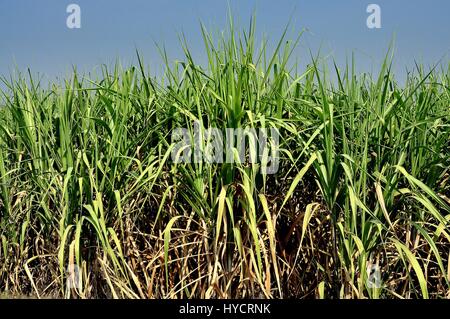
{"x":87,"y":181}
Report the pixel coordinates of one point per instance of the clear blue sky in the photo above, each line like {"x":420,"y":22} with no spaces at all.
{"x":33,"y":33}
